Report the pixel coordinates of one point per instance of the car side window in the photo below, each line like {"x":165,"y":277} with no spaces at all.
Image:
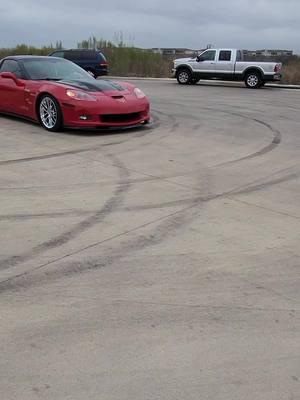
{"x":73,"y":55}
{"x":89,"y":55}
{"x":11,"y":66}
{"x":225,"y":55}
{"x":58,"y":54}
{"x":209,"y":55}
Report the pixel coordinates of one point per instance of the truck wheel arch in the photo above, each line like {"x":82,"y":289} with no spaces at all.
{"x":253,"y":69}
{"x":253,"y":78}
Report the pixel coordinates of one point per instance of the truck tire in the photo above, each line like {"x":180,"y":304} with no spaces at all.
{"x":253,"y":80}
{"x":184,"y":76}
{"x":194,"y":81}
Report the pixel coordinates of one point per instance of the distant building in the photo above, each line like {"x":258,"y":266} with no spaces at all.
{"x":175,"y":51}
{"x":268,"y":53}
{"x":178,"y":51}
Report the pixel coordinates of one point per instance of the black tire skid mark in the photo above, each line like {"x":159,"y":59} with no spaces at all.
{"x":248,"y":188}
{"x":143,"y":132}
{"x":53,"y":155}
{"x":110,"y":205}
{"x":146,"y":178}
{"x":171,"y":128}
{"x":195,"y":202}
{"x":277,"y":136}
{"x":169,"y":226}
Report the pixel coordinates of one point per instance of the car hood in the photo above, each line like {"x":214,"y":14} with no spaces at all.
{"x":96,"y":86}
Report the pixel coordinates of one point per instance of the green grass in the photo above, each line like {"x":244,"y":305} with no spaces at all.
{"x":130,"y":61}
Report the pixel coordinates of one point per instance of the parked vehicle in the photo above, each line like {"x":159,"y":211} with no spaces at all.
{"x":93,"y":61}
{"x":225,"y":64}
{"x":57,"y":93}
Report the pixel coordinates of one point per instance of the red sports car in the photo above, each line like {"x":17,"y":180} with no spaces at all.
{"x":58,"y":93}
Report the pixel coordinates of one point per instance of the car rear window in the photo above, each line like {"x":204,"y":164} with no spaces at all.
{"x":101,"y":57}
{"x":73,"y":55}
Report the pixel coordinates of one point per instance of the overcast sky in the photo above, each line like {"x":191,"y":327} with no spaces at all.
{"x":248,"y":24}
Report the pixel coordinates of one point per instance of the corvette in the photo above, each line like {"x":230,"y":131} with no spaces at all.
{"x":57,"y":94}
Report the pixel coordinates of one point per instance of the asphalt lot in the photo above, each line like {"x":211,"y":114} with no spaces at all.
{"x":157,"y":263}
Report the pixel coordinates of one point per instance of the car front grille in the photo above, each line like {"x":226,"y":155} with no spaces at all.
{"x":119,"y":118}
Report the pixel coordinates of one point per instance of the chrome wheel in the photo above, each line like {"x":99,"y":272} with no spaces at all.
{"x":253,"y":80}
{"x":48,"y":112}
{"x":183,"y":77}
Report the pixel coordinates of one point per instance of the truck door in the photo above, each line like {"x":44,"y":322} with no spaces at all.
{"x":225,"y":64}
{"x":205,"y":64}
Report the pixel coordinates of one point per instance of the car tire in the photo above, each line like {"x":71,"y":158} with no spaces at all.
{"x":184,"y":76}
{"x":253,"y":80}
{"x":49,"y":113}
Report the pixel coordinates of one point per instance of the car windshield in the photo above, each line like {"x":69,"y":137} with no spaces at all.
{"x":54,"y":69}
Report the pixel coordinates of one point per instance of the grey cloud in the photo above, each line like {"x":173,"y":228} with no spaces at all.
{"x":193,"y":23}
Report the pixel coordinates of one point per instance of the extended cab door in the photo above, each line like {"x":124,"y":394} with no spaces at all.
{"x":225,"y":64}
{"x":205,"y":64}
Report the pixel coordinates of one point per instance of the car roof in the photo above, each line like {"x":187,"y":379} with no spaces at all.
{"x":79,"y":50}
{"x":28,"y":57}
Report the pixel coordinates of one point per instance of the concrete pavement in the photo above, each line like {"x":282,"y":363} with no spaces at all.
{"x":157,"y":263}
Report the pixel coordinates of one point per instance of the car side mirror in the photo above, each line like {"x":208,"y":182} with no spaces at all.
{"x":10,"y":75}
{"x":199,"y":59}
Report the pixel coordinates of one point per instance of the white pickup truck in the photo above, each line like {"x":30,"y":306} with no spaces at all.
{"x":225,"y":64}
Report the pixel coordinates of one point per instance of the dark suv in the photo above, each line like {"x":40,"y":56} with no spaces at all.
{"x":93,"y":61}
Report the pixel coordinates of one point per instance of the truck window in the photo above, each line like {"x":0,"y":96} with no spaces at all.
{"x":207,"y":56}
{"x":239,"y":55}
{"x":225,"y":55}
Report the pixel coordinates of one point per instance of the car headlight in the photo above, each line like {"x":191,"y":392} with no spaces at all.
{"x":139,"y":94}
{"x":79,"y":95}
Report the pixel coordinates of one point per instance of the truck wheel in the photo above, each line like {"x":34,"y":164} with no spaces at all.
{"x":184,"y":76}
{"x":253,"y":80}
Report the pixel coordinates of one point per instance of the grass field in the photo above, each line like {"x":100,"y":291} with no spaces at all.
{"x":130,"y":61}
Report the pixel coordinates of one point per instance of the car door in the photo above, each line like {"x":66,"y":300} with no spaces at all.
{"x":225,"y":64}
{"x":205,"y":63}
{"x":12,"y":96}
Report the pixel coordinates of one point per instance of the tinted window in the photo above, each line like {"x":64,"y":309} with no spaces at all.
{"x":225,"y":55}
{"x":88,"y":55}
{"x":101,"y":56}
{"x":11,"y":66}
{"x":58,"y":54}
{"x":73,"y":55}
{"x":208,"y":56}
